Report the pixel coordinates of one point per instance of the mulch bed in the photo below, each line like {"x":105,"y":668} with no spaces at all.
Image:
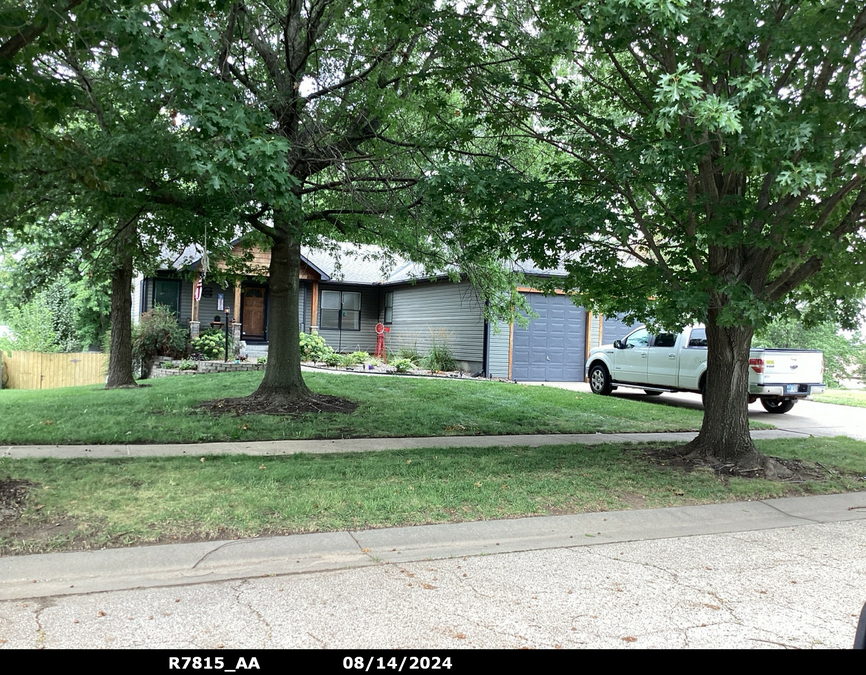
{"x":318,"y":403}
{"x":13,"y":492}
{"x":773,"y":468}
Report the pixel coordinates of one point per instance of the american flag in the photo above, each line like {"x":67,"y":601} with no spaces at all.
{"x":198,"y":285}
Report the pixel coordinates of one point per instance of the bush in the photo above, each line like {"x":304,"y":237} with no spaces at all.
{"x":440,"y":357}
{"x":404,"y":365}
{"x":345,"y":360}
{"x":158,"y":334}
{"x":409,"y":355}
{"x":186,"y":364}
{"x":314,"y":348}
{"x":358,"y":358}
{"x":212,"y":344}
{"x":332,"y":359}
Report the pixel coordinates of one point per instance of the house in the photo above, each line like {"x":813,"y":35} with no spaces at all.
{"x":346,"y":291}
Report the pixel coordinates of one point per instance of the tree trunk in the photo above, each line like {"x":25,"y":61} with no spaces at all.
{"x":120,"y":357}
{"x":724,"y":433}
{"x":283,"y":379}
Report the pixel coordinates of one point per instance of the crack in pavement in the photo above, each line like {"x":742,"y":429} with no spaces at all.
{"x":790,"y":515}
{"x":219,"y":548}
{"x":239,"y":589}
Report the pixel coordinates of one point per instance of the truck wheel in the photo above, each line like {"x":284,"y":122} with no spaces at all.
{"x":777,"y":405}
{"x":599,"y":380}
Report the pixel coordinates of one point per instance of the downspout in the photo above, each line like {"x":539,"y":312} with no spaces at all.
{"x":485,"y":349}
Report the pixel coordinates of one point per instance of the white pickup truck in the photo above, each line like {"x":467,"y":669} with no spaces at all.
{"x":678,"y":362}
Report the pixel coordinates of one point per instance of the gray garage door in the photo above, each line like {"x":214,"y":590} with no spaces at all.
{"x":614,"y":329}
{"x":553,"y":347}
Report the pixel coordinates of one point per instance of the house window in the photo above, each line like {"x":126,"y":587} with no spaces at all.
{"x":167,"y":292}
{"x":389,"y":307}
{"x":341,"y":310}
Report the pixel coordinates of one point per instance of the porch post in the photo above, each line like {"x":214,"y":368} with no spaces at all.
{"x":237,"y":309}
{"x":195,"y":302}
{"x":314,"y":308}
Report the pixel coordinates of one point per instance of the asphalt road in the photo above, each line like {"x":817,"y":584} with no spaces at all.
{"x":807,"y":417}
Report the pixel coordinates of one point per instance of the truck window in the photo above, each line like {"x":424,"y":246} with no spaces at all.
{"x":665,"y":340}
{"x":640,"y":338}
{"x":698,"y":338}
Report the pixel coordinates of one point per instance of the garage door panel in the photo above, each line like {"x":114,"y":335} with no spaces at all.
{"x":552,"y":348}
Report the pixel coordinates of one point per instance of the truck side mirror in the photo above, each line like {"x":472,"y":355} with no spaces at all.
{"x":617,"y":344}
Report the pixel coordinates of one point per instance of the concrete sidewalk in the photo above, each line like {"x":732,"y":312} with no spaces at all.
{"x":319,"y":446}
{"x":76,"y":573}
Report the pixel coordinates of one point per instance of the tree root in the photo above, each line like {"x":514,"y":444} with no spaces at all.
{"x":755,"y":465}
{"x":279,"y":404}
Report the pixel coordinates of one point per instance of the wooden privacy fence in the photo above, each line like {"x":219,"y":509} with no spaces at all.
{"x":38,"y":370}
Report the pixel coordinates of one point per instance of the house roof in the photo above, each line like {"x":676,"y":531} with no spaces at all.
{"x":356,"y":264}
{"x":353,"y":263}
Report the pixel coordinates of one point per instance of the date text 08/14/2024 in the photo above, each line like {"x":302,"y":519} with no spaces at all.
{"x":404,"y":663}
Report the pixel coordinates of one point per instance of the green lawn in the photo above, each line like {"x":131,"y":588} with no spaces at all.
{"x":80,"y":504}
{"x":852,"y":397}
{"x":388,"y":407}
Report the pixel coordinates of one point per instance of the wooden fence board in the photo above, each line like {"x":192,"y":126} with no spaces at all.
{"x":37,"y":370}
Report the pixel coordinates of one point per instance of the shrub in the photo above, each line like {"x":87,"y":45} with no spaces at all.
{"x":409,"y":355}
{"x":440,"y":357}
{"x":158,"y":334}
{"x":212,"y":344}
{"x":332,"y":359}
{"x":345,"y":360}
{"x":359,"y":358}
{"x":404,"y":365}
{"x":314,"y":347}
{"x":186,"y":364}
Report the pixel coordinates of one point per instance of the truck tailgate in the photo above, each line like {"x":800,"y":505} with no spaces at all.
{"x":787,"y":365}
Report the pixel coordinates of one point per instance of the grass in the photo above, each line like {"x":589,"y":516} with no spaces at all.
{"x":855,"y":398}
{"x":388,"y":407}
{"x":79,"y":504}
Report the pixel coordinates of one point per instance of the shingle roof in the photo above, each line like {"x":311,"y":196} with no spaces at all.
{"x":356,"y":264}
{"x":353,"y":263}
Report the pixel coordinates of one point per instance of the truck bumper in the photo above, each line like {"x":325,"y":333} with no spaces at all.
{"x":789,"y":390}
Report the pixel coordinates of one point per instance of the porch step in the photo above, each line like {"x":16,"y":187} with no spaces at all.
{"x":255,"y":351}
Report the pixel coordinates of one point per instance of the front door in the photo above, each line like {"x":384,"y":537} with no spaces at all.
{"x":253,"y":312}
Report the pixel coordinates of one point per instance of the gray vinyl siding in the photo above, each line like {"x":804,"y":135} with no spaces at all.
{"x":442,"y":309}
{"x":305,"y":302}
{"x":207,"y":307}
{"x":593,"y":330}
{"x":346,"y":341}
{"x":137,"y":293}
{"x":497,"y":364}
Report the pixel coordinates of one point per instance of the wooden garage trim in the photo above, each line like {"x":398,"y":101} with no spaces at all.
{"x":527,"y":289}
{"x":510,"y":347}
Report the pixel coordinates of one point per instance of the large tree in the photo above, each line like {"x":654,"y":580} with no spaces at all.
{"x":703,"y":161}
{"x":316,"y":110}
{"x":110,"y":181}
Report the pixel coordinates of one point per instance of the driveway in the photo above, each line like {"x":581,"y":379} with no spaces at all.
{"x":808,"y":417}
